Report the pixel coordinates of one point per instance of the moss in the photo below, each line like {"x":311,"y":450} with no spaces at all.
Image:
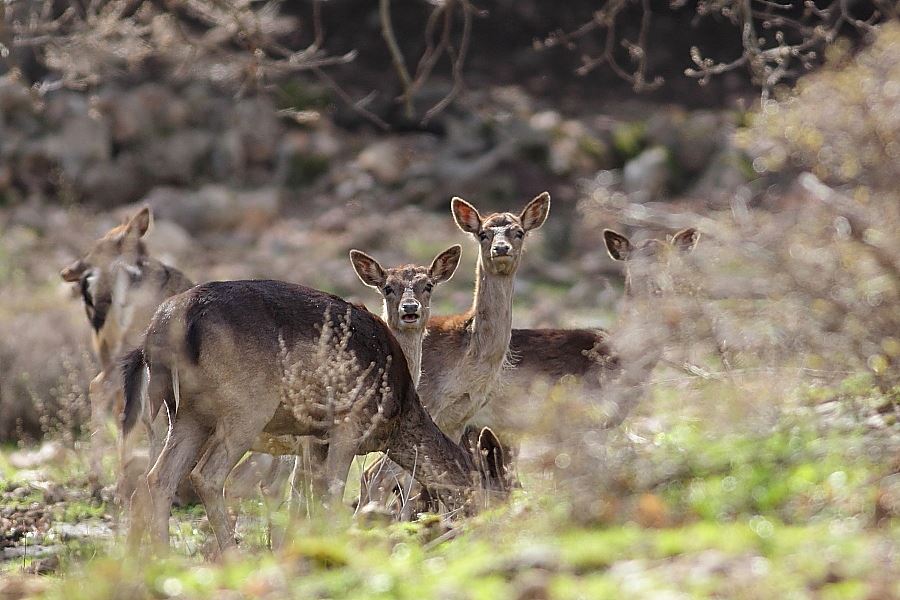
{"x":296,"y":95}
{"x":305,"y":169}
{"x":629,"y":139}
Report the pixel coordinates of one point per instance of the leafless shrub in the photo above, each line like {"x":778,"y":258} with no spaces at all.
{"x":780,"y":40}
{"x":784,"y":307}
{"x":438,"y":42}
{"x":239,"y":44}
{"x":330,"y":387}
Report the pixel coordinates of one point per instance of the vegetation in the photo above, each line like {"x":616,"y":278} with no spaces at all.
{"x":763,"y":459}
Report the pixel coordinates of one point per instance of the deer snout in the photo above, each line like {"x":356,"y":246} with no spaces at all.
{"x":410,"y":312}
{"x":501,"y":249}
{"x":73,"y":272}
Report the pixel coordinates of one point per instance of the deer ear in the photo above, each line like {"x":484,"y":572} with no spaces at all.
{"x":686,"y":240}
{"x":466,"y":216}
{"x":444,"y":264}
{"x":617,"y":245}
{"x":534,"y":215}
{"x":139,"y":223}
{"x":367,"y":269}
{"x":491,"y":458}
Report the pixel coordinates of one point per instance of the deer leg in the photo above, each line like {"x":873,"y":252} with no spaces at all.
{"x":229,"y":444}
{"x":152,"y":499}
{"x":307,"y":476}
{"x":98,"y":394}
{"x":342,"y":447}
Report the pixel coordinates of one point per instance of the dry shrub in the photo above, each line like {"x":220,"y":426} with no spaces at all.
{"x":45,"y":368}
{"x":337,"y":388}
{"x":781,"y":351}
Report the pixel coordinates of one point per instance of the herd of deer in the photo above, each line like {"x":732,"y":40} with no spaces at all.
{"x":212,"y":355}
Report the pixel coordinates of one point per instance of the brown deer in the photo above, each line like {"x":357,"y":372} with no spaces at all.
{"x":215,"y":359}
{"x":406,"y":294}
{"x":406,"y":298}
{"x":464,"y":355}
{"x":121,"y":287}
{"x":595,"y":358}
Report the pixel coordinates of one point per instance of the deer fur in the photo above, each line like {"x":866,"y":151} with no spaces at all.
{"x":121,"y":286}
{"x":219,"y":346}
{"x":406,"y":297}
{"x":592,"y":358}
{"x":464,"y":355}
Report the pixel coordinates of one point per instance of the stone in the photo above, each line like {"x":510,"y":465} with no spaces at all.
{"x":383,"y":160}
{"x":645,"y":177}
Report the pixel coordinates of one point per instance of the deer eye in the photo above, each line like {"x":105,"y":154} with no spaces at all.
{"x":520,"y":234}
{"x":429,"y":287}
{"x":483,"y":236}
{"x":388,"y":290}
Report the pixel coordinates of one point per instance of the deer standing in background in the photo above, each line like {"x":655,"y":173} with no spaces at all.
{"x":595,"y":358}
{"x":215,"y":359}
{"x":464,"y":355}
{"x":121,"y":287}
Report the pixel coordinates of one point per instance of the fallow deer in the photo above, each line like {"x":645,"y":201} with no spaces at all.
{"x":593,"y":357}
{"x":214,"y":358}
{"x":406,"y":294}
{"x":406,"y":298}
{"x":121,"y":287}
{"x":464,"y":355}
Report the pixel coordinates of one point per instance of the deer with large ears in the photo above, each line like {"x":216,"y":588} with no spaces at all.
{"x":214,"y":356}
{"x":121,"y":286}
{"x":596,"y":358}
{"x":406,"y":295}
{"x":463,"y":355}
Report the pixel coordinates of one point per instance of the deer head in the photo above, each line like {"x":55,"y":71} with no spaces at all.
{"x":121,"y":244}
{"x":489,"y":459}
{"x":648,"y":265}
{"x":500,"y":235}
{"x":406,"y":290}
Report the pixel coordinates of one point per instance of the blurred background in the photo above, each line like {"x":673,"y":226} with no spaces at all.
{"x":270,"y":138}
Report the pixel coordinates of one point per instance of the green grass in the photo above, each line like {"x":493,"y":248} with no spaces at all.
{"x":783,"y":507}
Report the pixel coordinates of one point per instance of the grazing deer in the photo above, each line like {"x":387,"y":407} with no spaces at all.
{"x":214,"y":356}
{"x":595,"y":358}
{"x":464,"y":355}
{"x":121,"y":287}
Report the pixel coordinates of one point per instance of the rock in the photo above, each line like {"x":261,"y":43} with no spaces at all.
{"x":49,"y":453}
{"x":109,"y":184}
{"x":725,"y":176}
{"x":86,"y":530}
{"x":215,"y":207}
{"x":258,"y":126}
{"x":82,"y":142}
{"x":383,"y":160}
{"x":176,"y":158}
{"x":645,"y":177}
{"x":168,"y":240}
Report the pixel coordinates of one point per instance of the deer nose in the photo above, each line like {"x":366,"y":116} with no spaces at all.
{"x":501,"y":249}
{"x":410,"y":307}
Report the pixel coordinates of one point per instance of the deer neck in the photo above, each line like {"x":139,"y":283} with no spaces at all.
{"x":420,"y":447}
{"x":411,"y":343}
{"x":492,"y":316}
